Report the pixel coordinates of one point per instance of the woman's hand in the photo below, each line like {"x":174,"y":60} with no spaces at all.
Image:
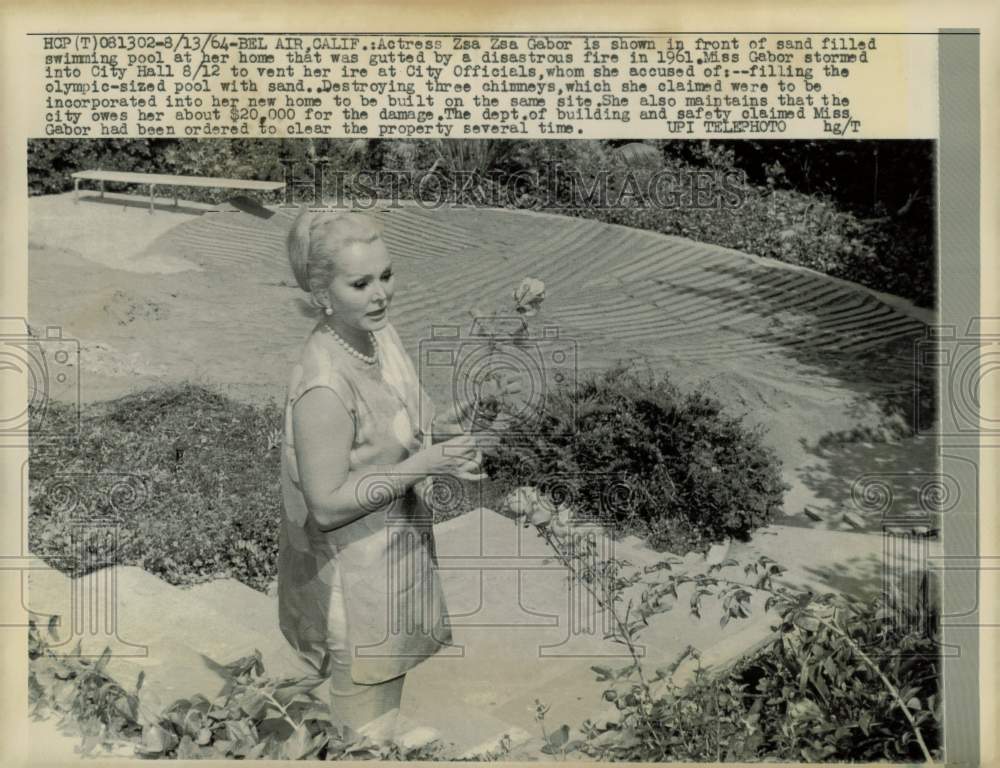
{"x":460,"y":457}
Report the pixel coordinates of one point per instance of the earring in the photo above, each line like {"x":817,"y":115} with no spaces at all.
{"x":328,"y":311}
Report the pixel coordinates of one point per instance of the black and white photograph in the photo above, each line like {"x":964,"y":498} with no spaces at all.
{"x":492,"y":450}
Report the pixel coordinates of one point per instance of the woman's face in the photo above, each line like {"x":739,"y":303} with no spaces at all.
{"x":362,"y":287}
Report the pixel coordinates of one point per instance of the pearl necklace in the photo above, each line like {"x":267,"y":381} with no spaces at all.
{"x":366,"y":359}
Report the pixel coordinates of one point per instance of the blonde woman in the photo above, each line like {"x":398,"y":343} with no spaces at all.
{"x":358,"y":592}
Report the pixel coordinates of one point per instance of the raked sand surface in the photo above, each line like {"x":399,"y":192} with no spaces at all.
{"x":205,"y":295}
{"x":202,"y":295}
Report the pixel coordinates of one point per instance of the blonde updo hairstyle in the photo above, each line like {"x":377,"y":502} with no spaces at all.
{"x":315,"y":240}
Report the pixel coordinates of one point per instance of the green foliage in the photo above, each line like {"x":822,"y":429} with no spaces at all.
{"x":805,"y":203}
{"x":822,"y":684}
{"x":862,"y":211}
{"x":809,"y":230}
{"x":689,"y":474}
{"x":840,"y":680}
{"x":208,"y":470}
{"x":557,"y":742}
{"x":80,"y":690}
{"x":254,"y":717}
{"x":887,"y":190}
{"x":51,"y":161}
{"x":903,"y":260}
{"x":813,"y":694}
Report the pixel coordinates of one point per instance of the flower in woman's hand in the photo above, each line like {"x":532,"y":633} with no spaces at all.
{"x":528,"y":296}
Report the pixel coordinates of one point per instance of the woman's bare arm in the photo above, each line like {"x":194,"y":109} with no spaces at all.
{"x":324,"y":432}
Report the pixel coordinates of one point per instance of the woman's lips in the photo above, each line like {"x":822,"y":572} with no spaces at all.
{"x":377,"y":313}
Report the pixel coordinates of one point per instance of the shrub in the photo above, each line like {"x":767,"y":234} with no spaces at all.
{"x":689,"y":474}
{"x":820,"y":700}
{"x":51,"y":161}
{"x":253,"y":717}
{"x":828,"y":687}
{"x":199,"y":493}
{"x":802,"y":202}
{"x":840,"y":678}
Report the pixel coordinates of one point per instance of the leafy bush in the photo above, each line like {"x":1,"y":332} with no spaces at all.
{"x":841,"y":679}
{"x":803,"y":202}
{"x":254,"y":716}
{"x":832,"y":685}
{"x":684,"y":474}
{"x":885,"y":189}
{"x":820,"y":699}
{"x":809,"y":230}
{"x":780,"y":211}
{"x":51,"y":161}
{"x":188,"y":479}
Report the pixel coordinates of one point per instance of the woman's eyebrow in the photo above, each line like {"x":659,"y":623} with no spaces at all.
{"x":356,"y":275}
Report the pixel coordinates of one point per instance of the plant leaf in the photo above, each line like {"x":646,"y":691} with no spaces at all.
{"x":257,"y":751}
{"x":102,"y":662}
{"x":804,"y":621}
{"x":297,"y":745}
{"x":559,"y":737}
{"x":603,"y":673}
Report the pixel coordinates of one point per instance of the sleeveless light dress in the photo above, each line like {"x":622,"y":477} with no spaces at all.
{"x":369,"y":591}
